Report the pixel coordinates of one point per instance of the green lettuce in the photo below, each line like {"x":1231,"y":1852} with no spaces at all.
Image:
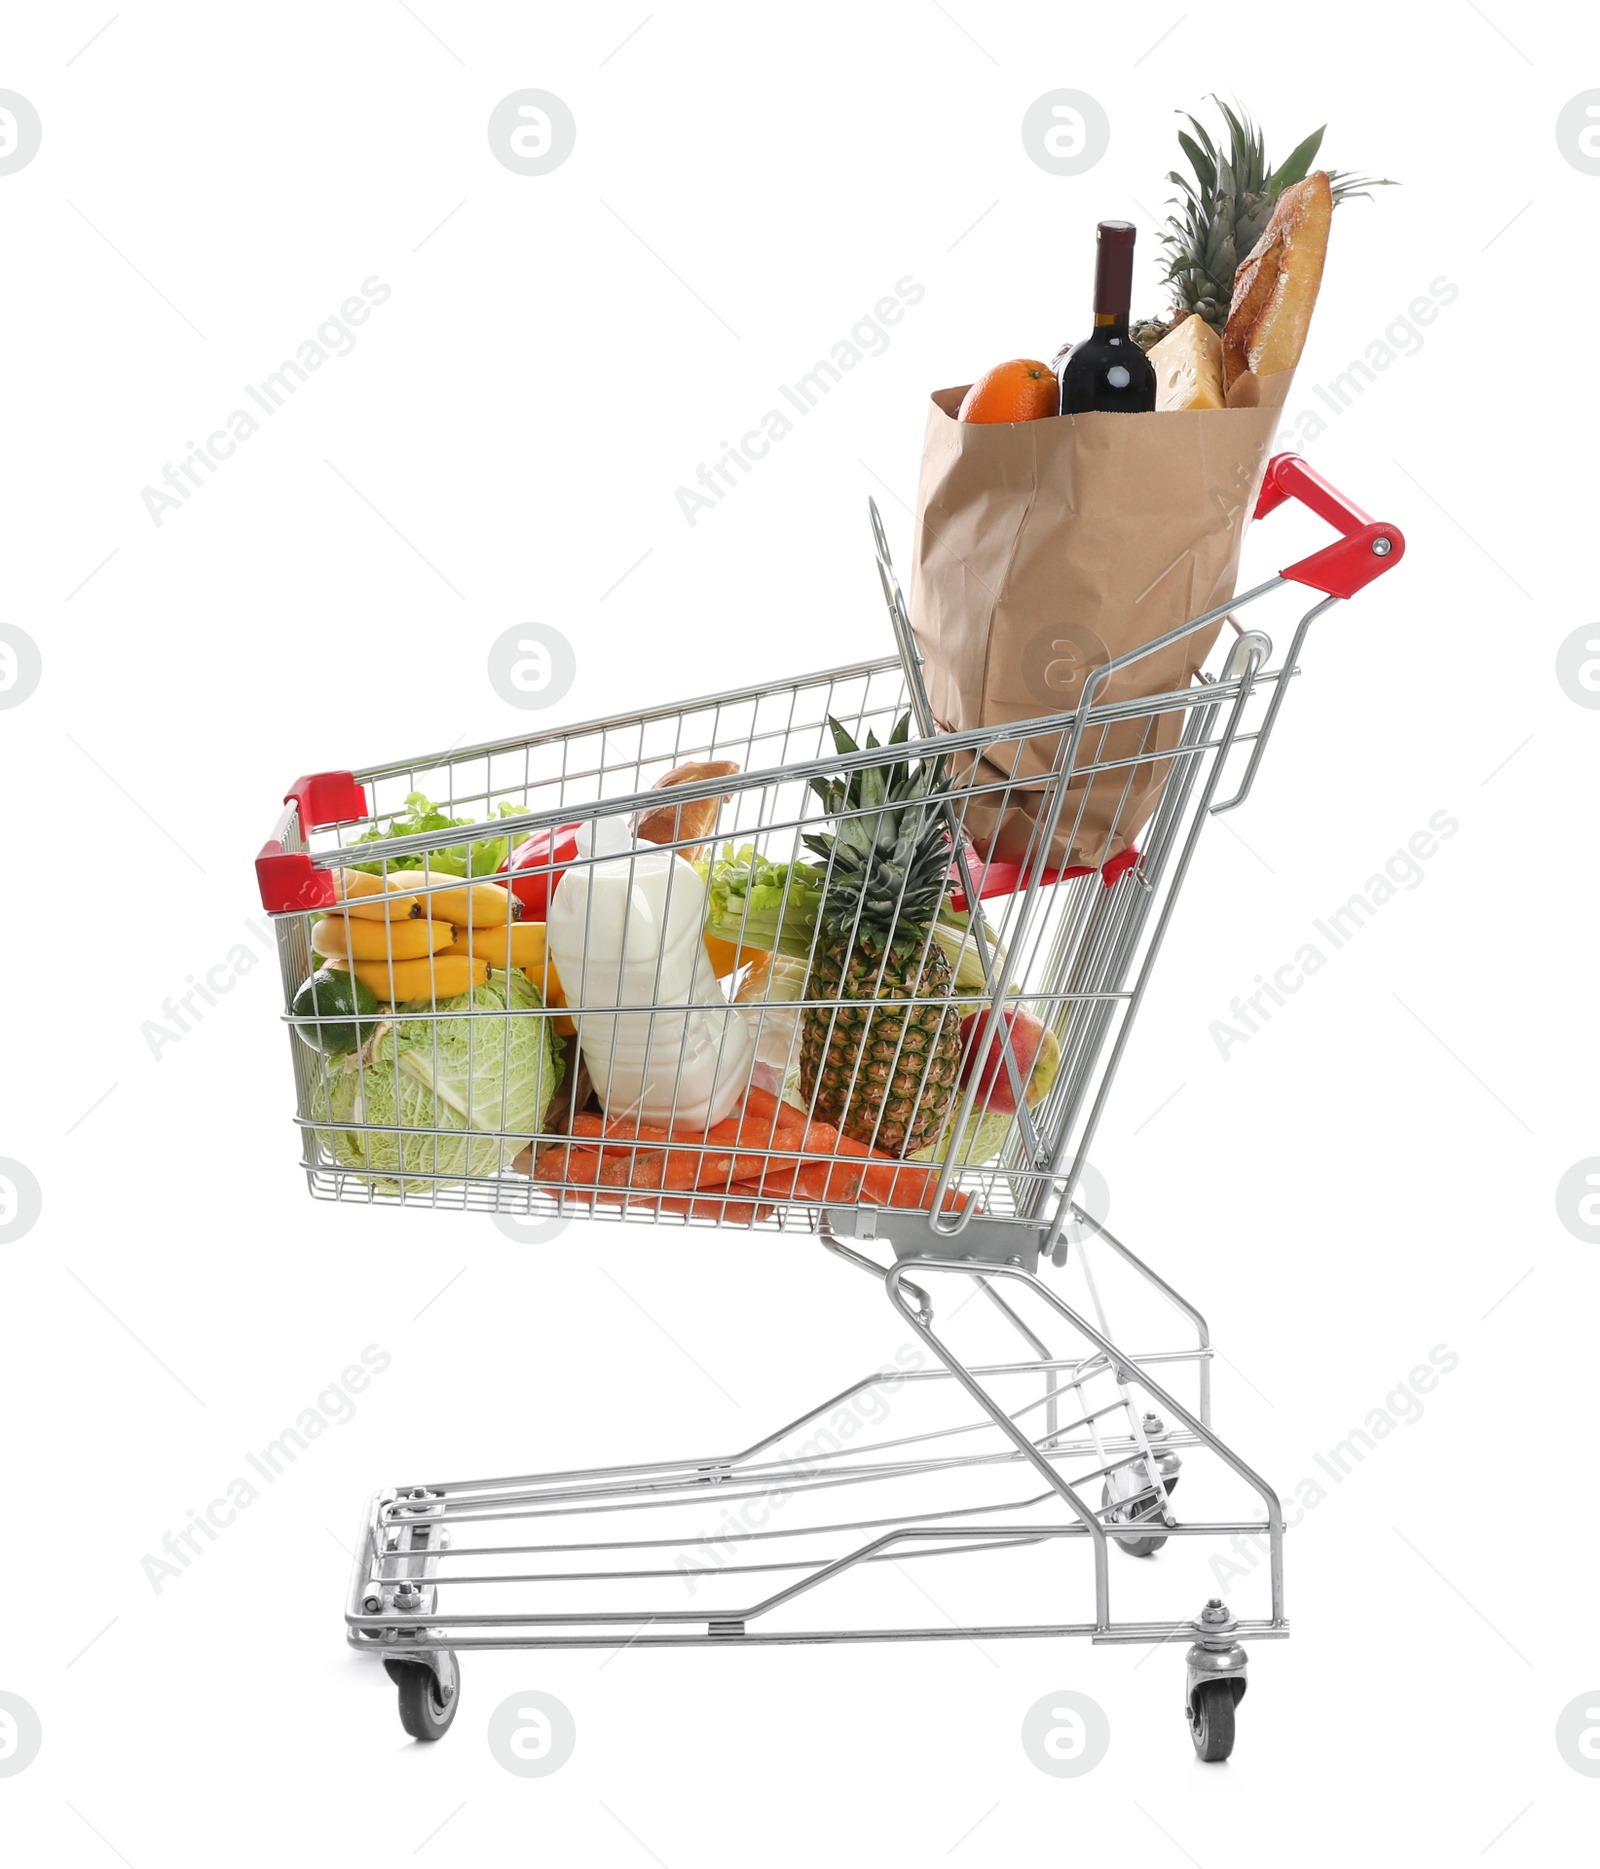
{"x":497,"y":1072}
{"x":482,"y":857}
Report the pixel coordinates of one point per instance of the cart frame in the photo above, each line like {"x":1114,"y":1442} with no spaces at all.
{"x":411,"y":1603}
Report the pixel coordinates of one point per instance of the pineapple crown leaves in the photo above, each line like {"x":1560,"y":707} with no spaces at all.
{"x":1221,"y":211}
{"x":889,"y":853}
{"x":898,"y":783}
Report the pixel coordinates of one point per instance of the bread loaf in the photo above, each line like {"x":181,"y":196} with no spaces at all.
{"x":697,"y":820}
{"x":1275,"y":288}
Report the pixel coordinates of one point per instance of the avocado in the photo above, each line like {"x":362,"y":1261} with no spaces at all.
{"x":325,"y":1012}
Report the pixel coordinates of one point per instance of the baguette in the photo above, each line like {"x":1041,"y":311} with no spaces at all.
{"x":1275,"y":288}
{"x":697,"y":820}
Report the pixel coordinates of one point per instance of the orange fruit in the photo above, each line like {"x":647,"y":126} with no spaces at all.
{"x":544,"y":978}
{"x":726,"y":956}
{"x":1019,"y":391}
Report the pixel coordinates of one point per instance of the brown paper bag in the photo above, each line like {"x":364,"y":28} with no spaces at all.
{"x":1046,"y":548}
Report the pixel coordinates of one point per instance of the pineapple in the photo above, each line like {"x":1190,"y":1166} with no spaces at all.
{"x":882,"y":1074}
{"x":1222,"y":212}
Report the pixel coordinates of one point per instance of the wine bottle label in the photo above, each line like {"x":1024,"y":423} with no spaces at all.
{"x":1102,"y":318}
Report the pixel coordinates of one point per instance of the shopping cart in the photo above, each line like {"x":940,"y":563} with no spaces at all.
{"x":1006,"y":1466}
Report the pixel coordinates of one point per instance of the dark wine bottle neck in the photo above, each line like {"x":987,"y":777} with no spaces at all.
{"x":1113,"y":278}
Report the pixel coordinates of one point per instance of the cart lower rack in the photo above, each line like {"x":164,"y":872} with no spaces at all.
{"x":908,"y":1055}
{"x":757,"y":1546}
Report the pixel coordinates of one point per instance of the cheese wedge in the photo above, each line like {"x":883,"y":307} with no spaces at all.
{"x":1188,"y":367}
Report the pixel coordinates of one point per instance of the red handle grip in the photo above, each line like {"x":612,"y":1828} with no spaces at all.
{"x":1367,"y":547}
{"x":289,"y":882}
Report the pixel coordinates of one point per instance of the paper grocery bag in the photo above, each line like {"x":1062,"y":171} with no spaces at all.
{"x":1046,"y":548}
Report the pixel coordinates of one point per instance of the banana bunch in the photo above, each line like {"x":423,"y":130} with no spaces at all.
{"x":415,"y":936}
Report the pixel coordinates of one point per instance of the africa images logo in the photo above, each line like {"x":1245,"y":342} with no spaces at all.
{"x":332,"y":338}
{"x":334,"y":1407}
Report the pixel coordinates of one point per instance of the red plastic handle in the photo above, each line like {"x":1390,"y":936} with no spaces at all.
{"x":1367,"y":547}
{"x":1007,"y":879}
{"x":289,"y":881}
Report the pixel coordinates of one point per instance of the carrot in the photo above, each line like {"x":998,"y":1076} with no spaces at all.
{"x":713,"y":1152}
{"x":806,"y":1181}
{"x":758,"y":1132}
{"x":704,"y":1160}
{"x":880,"y":1178}
{"x":773,"y":1180}
{"x":891,"y":1186}
{"x":620,"y":1171}
{"x":556,"y":1163}
{"x":665,"y":1168}
{"x":716,"y":1168}
{"x":843,"y":1184}
{"x":625,"y":1131}
{"x":619,"y":1144}
{"x":566,"y":1163}
{"x":766,"y":1151}
{"x":754,"y":1153}
{"x":779,"y":1163}
{"x":759,"y":1102}
{"x":785,"y":1179}
{"x":696,"y":1163}
{"x":763,"y":1123}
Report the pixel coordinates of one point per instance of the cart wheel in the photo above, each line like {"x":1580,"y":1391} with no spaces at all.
{"x":1211,"y":1720}
{"x":422,"y":1713}
{"x":1139,"y":1547}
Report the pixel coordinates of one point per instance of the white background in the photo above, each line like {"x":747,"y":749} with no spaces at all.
{"x":1366,"y":1178}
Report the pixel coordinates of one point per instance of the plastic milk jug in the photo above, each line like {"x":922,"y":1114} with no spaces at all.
{"x":625,"y":930}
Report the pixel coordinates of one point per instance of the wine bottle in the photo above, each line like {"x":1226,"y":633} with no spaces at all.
{"x":1107,"y":370}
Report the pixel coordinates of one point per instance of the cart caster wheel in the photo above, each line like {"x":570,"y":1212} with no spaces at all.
{"x":1211,"y":1720}
{"x":1138,"y":1547}
{"x":423,"y":1713}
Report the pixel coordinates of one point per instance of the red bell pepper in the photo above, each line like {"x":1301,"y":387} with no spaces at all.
{"x":543,"y":857}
